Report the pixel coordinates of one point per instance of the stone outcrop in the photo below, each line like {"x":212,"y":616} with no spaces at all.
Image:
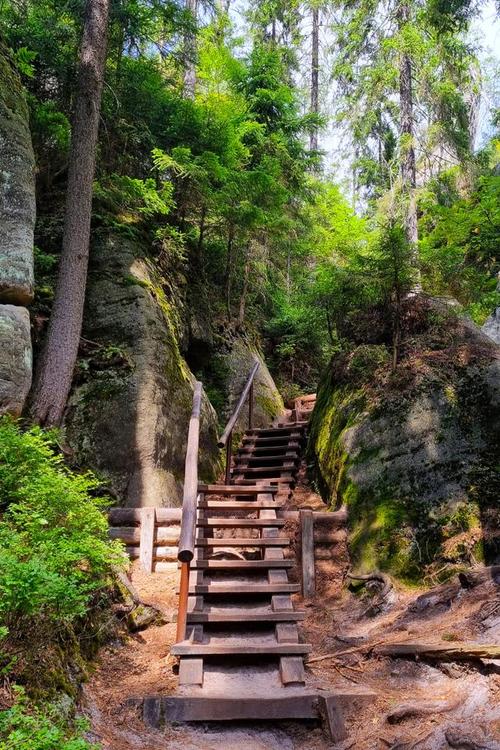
{"x":237,"y":364}
{"x":491,"y":326}
{"x":15,"y":358}
{"x":17,"y":218}
{"x":129,"y":414}
{"x":414,"y":453}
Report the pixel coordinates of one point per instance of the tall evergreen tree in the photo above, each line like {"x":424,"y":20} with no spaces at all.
{"x":55,"y":369}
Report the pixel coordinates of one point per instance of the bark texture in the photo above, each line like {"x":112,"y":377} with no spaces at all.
{"x":313,"y":139}
{"x":190,"y":50}
{"x":408,"y":165}
{"x":58,"y":359}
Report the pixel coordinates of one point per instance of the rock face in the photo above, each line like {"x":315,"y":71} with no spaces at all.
{"x":491,"y":327}
{"x":268,"y":403}
{"x":17,"y":193}
{"x":129,"y":415}
{"x":17,"y":218}
{"x":15,"y":358}
{"x":414,"y":453}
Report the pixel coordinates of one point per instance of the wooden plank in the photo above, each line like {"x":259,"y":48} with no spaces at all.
{"x":307,"y":541}
{"x":280,"y":541}
{"x":245,"y":615}
{"x":241,"y":564}
{"x":235,"y":523}
{"x":147,"y":537}
{"x":239,"y":504}
{"x":244,"y":588}
{"x":286,"y":632}
{"x":191,"y":671}
{"x":248,"y":648}
{"x":242,"y":707}
{"x":292,"y":670}
{"x":230,"y":489}
{"x":331,"y":714}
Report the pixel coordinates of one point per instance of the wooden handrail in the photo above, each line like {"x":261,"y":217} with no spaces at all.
{"x":186,"y":540}
{"x":234,"y":416}
{"x":226,"y":438}
{"x":189,"y":505}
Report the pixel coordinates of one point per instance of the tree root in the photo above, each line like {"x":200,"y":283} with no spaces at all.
{"x":419,"y":709}
{"x":139,"y":614}
{"x":461,"y":740}
{"x":465,"y":652}
{"x":379,"y":601}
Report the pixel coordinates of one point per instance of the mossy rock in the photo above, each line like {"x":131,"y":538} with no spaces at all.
{"x":413,"y":453}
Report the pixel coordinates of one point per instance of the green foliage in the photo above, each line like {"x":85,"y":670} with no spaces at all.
{"x":25,"y":726}
{"x":54,"y":550}
{"x":461,"y":235}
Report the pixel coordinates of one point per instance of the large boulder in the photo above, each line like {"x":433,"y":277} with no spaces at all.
{"x":414,"y":453}
{"x":236,"y":364}
{"x":15,"y":358}
{"x":17,"y":189}
{"x":491,"y":326}
{"x":129,"y":414}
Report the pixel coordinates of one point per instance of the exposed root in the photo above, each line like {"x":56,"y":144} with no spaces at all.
{"x":462,"y":740}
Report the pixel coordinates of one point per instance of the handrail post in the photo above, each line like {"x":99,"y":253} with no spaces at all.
{"x":250,"y":408}
{"x":229,"y":452}
{"x":183,"y":602}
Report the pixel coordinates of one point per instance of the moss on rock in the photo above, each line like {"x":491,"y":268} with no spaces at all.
{"x":413,"y":453}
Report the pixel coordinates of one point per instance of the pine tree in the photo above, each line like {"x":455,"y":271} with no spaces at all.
{"x":55,"y":369}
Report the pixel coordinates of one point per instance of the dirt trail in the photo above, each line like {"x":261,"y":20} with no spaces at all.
{"x":459,"y":703}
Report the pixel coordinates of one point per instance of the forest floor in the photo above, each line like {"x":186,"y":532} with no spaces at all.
{"x":426,"y":705}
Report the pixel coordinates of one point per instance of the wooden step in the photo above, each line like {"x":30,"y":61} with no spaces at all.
{"x":247,"y":648}
{"x":274,"y":431}
{"x":239,"y":523}
{"x":282,"y":468}
{"x":240,"y":481}
{"x":239,"y":504}
{"x":240,"y":564}
{"x":245,"y":615}
{"x":250,"y":449}
{"x":229,"y":489}
{"x":263,"y":460}
{"x":229,"y":587}
{"x":277,"y":541}
{"x":277,"y":439}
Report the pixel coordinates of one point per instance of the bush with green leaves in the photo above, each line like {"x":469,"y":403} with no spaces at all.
{"x":27,"y":727}
{"x":54,"y":548}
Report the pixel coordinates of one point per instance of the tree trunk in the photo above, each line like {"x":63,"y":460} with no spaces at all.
{"x":243,"y":298}
{"x":229,"y":268}
{"x":407,"y":157}
{"x":190,"y":50}
{"x":313,"y":138}
{"x":55,"y":370}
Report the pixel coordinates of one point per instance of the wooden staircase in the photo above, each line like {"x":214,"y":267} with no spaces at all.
{"x":239,"y":647}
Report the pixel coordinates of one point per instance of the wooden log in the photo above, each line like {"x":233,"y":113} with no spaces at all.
{"x":159,"y":553}
{"x":147,"y":537}
{"x":307,"y":539}
{"x":132,"y":516}
{"x":132,"y":534}
{"x":440,"y":652}
{"x":237,"y":490}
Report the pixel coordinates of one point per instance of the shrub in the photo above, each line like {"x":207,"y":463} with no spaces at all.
{"x":27,"y":727}
{"x":54,"y":550}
